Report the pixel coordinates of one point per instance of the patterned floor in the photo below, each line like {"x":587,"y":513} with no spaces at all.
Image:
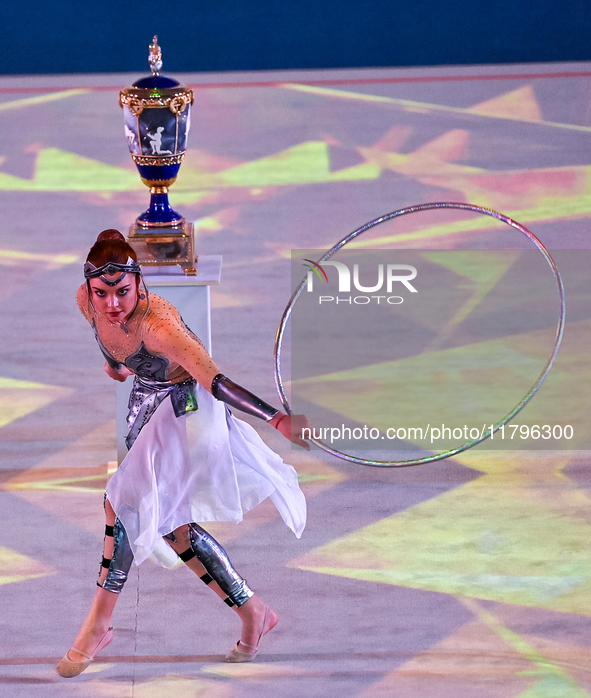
{"x":468,"y":577}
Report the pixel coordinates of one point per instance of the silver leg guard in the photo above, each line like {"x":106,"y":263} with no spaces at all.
{"x":218,"y":566}
{"x":119,"y":564}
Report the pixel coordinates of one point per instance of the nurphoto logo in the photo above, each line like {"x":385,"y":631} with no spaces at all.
{"x":394,"y":274}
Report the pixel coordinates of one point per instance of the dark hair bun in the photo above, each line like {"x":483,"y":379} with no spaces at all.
{"x":110,"y":246}
{"x":110,"y":234}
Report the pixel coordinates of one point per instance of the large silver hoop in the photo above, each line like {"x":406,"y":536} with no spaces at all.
{"x":520,"y":405}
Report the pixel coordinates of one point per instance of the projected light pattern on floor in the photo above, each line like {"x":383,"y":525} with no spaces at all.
{"x":468,"y":579}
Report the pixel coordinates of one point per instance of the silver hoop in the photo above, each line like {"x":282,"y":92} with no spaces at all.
{"x":520,"y":405}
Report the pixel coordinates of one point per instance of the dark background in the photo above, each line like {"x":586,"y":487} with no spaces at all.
{"x":113,"y":35}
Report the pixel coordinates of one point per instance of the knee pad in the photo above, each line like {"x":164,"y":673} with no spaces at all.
{"x":119,"y":564}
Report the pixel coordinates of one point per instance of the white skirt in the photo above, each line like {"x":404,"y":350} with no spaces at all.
{"x":204,"y":466}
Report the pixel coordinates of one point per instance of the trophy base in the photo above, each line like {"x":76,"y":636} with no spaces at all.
{"x":165,"y":246}
{"x":160,"y":213}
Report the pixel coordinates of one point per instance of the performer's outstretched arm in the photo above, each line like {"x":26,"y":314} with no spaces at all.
{"x":175,"y":340}
{"x":236,"y":396}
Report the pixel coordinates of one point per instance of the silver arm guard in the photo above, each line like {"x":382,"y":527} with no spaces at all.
{"x":234,"y":395}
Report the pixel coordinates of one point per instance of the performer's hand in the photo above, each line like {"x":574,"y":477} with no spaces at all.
{"x":291,"y":427}
{"x":120,"y":375}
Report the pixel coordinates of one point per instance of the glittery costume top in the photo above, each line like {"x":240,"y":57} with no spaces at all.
{"x":156,"y":345}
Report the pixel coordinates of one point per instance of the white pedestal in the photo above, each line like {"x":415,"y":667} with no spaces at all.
{"x":190,"y":295}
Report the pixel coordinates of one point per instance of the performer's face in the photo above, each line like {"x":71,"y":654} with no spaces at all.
{"x":115,"y":302}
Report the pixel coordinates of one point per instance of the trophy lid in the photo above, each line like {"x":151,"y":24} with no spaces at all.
{"x":158,"y":81}
{"x":155,"y":80}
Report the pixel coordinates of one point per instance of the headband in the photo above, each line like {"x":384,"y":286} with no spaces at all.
{"x":111,"y":268}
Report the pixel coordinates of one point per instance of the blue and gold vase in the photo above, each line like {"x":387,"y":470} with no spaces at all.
{"x":157,"y":111}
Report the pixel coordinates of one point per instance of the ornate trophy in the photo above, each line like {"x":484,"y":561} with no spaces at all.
{"x":157,"y":112}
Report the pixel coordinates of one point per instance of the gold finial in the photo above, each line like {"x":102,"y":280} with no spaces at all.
{"x":155,"y":56}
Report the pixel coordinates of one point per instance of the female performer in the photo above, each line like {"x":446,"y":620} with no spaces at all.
{"x":189,"y":458}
